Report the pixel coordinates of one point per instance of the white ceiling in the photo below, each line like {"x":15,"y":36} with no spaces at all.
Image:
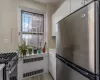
{"x":48,"y":1}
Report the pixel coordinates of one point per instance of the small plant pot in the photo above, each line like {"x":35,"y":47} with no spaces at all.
{"x":24,"y":52}
{"x":30,"y":51}
{"x":39,"y":51}
{"x":35,"y":51}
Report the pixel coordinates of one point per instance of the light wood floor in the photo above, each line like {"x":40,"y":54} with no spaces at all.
{"x":41,"y":77}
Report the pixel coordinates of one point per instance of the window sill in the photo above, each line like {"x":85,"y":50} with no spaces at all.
{"x":34,"y":55}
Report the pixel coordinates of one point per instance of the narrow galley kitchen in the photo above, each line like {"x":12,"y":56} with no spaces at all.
{"x":27,"y":47}
{"x":49,"y":40}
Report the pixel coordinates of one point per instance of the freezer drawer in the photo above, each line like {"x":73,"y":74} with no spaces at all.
{"x":66,"y":73}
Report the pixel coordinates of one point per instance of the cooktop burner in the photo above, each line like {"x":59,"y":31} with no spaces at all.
{"x":6,"y":57}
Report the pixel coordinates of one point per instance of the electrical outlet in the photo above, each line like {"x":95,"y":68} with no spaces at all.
{"x":5,"y":41}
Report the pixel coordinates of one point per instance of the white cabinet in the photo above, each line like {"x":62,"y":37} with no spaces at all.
{"x":54,"y":25}
{"x":52,"y":64}
{"x":61,"y":12}
{"x":76,"y":4}
{"x":88,"y":1}
{"x":69,"y":6}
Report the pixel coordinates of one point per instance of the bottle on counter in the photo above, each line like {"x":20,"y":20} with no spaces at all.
{"x":44,"y":48}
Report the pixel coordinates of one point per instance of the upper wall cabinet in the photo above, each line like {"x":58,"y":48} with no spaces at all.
{"x":62,"y":12}
{"x":76,"y":4}
{"x":87,"y":1}
{"x":69,"y":6}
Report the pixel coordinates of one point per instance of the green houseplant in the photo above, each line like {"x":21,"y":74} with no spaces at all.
{"x":30,"y":50}
{"x":23,"y":49}
{"x":35,"y":50}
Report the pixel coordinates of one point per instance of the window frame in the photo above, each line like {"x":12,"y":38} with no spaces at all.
{"x":35,"y":33}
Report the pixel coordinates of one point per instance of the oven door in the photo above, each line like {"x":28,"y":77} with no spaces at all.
{"x":11,"y":74}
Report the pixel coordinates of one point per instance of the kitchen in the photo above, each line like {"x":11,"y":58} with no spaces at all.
{"x":30,"y":37}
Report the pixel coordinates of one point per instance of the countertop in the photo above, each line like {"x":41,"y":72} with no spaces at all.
{"x":2,"y":66}
{"x":52,"y":51}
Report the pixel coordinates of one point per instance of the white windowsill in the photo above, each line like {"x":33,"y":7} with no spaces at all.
{"x":34,"y":55}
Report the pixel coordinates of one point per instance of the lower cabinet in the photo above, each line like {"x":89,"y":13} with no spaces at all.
{"x":52,"y":64}
{"x":33,"y":65}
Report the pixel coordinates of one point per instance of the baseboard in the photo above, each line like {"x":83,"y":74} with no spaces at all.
{"x":51,"y":76}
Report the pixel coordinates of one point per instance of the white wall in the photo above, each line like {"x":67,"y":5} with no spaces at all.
{"x":51,"y":40}
{"x":9,"y":21}
{"x":60,"y":3}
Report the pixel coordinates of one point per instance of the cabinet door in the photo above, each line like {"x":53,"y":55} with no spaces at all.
{"x":62,"y":11}
{"x":88,"y":1}
{"x":76,"y":4}
{"x":54,"y":25}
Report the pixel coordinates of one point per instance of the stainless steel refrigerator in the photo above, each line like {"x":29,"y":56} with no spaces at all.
{"x":77,"y":55}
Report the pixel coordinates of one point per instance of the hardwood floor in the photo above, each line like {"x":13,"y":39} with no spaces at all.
{"x":41,"y":77}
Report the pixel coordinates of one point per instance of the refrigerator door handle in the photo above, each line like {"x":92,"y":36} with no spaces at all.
{"x":86,"y":74}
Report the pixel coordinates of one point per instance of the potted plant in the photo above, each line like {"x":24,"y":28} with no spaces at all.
{"x":35,"y":50}
{"x":39,"y":50}
{"x":23,"y":49}
{"x":30,"y":50}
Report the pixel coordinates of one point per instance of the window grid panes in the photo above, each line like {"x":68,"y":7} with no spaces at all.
{"x":33,"y":29}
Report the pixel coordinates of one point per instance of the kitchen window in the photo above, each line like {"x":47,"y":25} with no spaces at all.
{"x":33,"y":28}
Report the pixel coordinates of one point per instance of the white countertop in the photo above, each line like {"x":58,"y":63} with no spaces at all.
{"x":52,"y":51}
{"x":2,"y":66}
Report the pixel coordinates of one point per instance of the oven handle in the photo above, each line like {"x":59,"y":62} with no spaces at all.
{"x":12,"y":69}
